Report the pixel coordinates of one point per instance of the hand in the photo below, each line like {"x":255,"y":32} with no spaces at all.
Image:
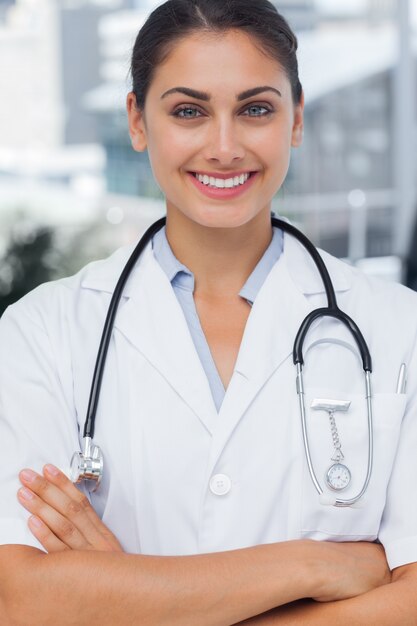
{"x":351,"y":569}
{"x":63,"y":517}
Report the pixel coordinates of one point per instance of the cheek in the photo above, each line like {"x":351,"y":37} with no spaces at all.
{"x":169,"y":154}
{"x":276,"y":154}
{"x":172,"y":144}
{"x":272,"y":142}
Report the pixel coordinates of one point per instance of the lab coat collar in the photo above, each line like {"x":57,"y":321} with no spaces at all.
{"x":279,"y":309}
{"x":103,"y":275}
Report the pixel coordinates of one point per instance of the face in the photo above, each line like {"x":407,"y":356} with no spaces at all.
{"x":219,"y":123}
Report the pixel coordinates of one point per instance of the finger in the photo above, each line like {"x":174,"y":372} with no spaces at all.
{"x":60,"y":480}
{"x":45,"y":536}
{"x":65,"y":514}
{"x":61,"y":527}
{"x":74,"y":509}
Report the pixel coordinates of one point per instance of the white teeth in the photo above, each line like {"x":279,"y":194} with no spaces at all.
{"x":221,"y":183}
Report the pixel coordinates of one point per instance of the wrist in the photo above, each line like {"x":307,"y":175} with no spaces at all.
{"x":300,"y":568}
{"x":313,"y":572}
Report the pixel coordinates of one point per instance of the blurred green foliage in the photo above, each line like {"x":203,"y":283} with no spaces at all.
{"x":35,"y":253}
{"x":30,"y":259}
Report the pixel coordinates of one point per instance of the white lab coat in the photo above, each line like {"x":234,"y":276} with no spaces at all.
{"x":169,"y":457}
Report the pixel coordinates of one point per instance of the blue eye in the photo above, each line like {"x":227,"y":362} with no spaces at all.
{"x":187,"y":113}
{"x":257,"y":110}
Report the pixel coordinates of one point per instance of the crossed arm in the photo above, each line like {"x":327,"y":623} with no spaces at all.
{"x":87,"y":577}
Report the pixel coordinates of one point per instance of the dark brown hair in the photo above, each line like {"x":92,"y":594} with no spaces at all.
{"x":175,"y":19}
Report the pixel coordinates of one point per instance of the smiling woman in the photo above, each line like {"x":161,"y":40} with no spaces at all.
{"x":221,"y":126}
{"x":206,"y":513}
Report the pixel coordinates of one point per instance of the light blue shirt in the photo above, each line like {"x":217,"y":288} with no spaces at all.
{"x":182,"y":281}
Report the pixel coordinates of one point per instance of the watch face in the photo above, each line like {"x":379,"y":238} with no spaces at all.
{"x":338,"y":477}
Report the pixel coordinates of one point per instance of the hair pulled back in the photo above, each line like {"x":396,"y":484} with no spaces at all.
{"x":175,"y":19}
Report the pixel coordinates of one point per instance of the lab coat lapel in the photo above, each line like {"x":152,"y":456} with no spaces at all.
{"x":152,"y":320}
{"x":278,"y":311}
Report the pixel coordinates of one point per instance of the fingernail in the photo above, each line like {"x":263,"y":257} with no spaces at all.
{"x":35,"y":521}
{"x":28,"y":475}
{"x":25,"y":493}
{"x":51,"y":469}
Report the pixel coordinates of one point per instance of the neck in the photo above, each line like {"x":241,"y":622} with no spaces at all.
{"x":221,"y":259}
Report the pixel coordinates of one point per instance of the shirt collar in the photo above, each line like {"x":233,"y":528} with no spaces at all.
{"x":271,"y":255}
{"x":179,"y":275}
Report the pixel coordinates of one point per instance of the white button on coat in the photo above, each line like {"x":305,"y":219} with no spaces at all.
{"x":220,"y":484}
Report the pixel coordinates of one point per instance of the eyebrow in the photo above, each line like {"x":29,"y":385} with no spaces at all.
{"x":202,"y":95}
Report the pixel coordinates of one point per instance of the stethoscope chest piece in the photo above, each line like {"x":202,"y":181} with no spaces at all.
{"x":88,"y":465}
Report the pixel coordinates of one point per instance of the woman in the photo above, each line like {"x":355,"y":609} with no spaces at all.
{"x":198,"y":418}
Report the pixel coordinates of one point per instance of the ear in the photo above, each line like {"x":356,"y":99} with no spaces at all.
{"x":137,"y":129}
{"x":298,"y":126}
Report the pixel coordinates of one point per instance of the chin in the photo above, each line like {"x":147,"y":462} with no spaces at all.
{"x":219,"y":218}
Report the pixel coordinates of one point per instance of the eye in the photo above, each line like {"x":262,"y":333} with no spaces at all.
{"x":257,"y":110}
{"x":187,"y":112}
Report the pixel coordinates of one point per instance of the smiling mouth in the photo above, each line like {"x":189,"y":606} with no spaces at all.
{"x":233,"y":182}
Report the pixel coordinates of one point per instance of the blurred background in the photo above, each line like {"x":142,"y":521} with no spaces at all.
{"x":72,"y":189}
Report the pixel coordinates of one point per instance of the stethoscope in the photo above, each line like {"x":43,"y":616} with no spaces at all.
{"x":88,"y":465}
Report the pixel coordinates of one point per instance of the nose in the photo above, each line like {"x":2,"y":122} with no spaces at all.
{"x":223,"y":143}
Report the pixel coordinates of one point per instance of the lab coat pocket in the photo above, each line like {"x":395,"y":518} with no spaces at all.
{"x":361,"y":521}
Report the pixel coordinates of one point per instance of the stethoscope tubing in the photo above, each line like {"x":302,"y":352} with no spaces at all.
{"x":89,"y":425}
{"x":336,"y":313}
{"x":332,"y":310}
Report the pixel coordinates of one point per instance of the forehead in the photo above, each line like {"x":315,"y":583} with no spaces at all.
{"x":226,"y":62}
